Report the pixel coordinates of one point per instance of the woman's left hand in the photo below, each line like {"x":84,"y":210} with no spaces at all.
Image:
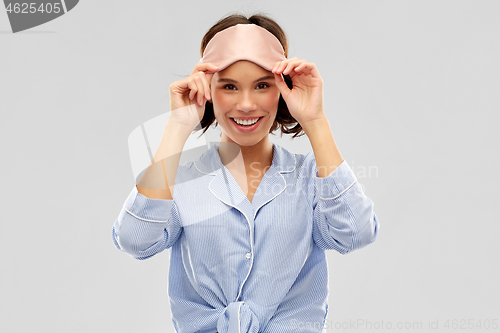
{"x":305,"y":99}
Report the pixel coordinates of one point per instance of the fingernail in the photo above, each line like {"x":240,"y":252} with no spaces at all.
{"x":207,"y":94}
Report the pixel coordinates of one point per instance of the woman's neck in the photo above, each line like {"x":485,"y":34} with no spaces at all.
{"x":251,"y":158}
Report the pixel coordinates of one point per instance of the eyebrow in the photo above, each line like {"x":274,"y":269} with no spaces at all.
{"x":234,"y":81}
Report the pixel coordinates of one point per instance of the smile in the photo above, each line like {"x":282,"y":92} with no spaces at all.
{"x":246,"y":125}
{"x":246,"y":122}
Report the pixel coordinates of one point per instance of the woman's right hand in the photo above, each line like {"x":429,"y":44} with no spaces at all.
{"x":188,"y":96}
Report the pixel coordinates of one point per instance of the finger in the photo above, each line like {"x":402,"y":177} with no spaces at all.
{"x":287,"y":61}
{"x":203,"y":89}
{"x":204,"y":92}
{"x":310,"y":69}
{"x":204,"y":67}
{"x":193,"y":89}
{"x":276,"y":64}
{"x":206,"y":86}
{"x":303,"y":67}
{"x":200,"y":89}
{"x":282,"y":65}
{"x":209,"y":80}
{"x":292,"y":65}
{"x":281,"y":84}
{"x":289,"y":66}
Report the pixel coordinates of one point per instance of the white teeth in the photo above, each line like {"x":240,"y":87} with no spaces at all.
{"x":246,"y":122}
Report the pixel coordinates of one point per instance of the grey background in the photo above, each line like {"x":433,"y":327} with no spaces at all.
{"x":411,"y":89}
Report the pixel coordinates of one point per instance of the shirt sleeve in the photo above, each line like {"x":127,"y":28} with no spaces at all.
{"x":146,"y":226}
{"x":344,"y":219}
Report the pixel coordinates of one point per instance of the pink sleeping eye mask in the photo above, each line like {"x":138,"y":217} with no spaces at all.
{"x":243,"y":42}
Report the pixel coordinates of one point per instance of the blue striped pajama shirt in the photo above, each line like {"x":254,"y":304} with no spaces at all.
{"x":241,"y":266}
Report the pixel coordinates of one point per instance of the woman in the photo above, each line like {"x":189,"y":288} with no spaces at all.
{"x":249,"y":221}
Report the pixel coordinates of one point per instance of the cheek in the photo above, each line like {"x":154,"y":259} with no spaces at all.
{"x":270,"y":103}
{"x":220,"y":100}
{"x":220,"y":106}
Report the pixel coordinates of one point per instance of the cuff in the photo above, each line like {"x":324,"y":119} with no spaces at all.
{"x":339,"y":181}
{"x":146,"y":209}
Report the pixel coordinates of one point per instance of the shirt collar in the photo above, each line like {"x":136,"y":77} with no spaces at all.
{"x":209,"y":162}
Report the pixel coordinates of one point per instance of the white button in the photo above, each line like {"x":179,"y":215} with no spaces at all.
{"x":248,"y":255}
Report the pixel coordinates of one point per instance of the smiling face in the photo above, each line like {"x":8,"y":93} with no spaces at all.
{"x":244,"y":91}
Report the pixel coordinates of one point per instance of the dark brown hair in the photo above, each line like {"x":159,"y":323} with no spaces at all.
{"x":283,"y":120}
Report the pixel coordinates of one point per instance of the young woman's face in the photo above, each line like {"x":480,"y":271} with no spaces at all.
{"x":244,"y":91}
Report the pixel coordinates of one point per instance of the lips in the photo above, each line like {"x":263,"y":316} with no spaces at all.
{"x":246,"y":128}
{"x":247,"y":119}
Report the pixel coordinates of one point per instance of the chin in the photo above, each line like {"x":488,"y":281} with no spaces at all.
{"x":246,"y":142}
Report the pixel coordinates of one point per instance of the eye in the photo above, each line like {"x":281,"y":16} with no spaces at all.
{"x":262,"y":86}
{"x":229,"y":87}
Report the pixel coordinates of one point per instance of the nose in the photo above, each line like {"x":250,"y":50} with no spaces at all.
{"x":246,"y":102}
